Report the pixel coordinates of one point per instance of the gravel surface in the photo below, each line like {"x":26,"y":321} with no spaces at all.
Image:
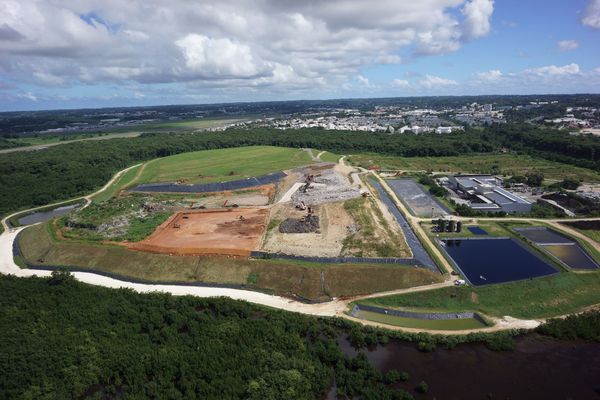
{"x":329,"y":187}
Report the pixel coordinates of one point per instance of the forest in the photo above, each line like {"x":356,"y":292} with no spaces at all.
{"x":62,"y":172}
{"x":60,"y":339}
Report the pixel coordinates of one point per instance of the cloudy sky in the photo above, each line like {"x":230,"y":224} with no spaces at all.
{"x":95,"y":53}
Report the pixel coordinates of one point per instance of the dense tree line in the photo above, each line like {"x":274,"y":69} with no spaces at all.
{"x":37,"y":178}
{"x":583,"y":326}
{"x":61,"y":339}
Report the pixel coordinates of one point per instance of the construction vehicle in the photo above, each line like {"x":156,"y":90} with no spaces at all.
{"x":176,"y":226}
{"x":301,"y":206}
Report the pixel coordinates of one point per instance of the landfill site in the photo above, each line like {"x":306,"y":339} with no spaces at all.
{"x":303,"y":213}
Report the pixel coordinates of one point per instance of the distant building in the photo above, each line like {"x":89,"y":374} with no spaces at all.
{"x":443,"y":129}
{"x":485,"y":193}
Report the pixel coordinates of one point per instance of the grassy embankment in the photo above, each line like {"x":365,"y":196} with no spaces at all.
{"x":329,"y":157}
{"x":499,"y":164}
{"x":417,"y":323}
{"x":375,"y":237}
{"x":279,"y":276}
{"x":223,"y":164}
{"x":538,"y":298}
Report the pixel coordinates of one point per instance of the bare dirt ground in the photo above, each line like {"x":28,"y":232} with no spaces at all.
{"x":229,"y":232}
{"x":328,"y":242}
{"x":241,"y":199}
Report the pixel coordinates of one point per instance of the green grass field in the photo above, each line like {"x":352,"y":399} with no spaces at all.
{"x":329,"y":157}
{"x":500,"y":164}
{"x":310,"y":280}
{"x":538,"y":298}
{"x":223,"y":164}
{"x":435,"y":324}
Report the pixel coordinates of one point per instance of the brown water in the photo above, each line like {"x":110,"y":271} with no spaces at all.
{"x":539,"y":368}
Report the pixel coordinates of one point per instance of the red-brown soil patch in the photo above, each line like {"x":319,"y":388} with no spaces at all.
{"x":234,"y":232}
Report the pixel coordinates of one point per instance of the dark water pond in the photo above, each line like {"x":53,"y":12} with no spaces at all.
{"x":485,"y":261}
{"x":46,"y":215}
{"x":542,"y":235}
{"x":539,"y":368}
{"x":476,"y":230}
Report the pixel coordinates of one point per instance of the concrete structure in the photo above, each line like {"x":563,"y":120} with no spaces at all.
{"x":485,"y":193}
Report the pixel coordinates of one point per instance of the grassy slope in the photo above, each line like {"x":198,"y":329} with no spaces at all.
{"x":503,"y":164}
{"x":375,"y":237}
{"x":438,"y":324}
{"x":328,"y":157}
{"x":556,"y":295}
{"x":123,"y":182}
{"x":284,"y":277}
{"x":217,"y":165}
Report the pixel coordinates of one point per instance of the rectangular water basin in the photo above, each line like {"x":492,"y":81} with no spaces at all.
{"x":495,"y":260}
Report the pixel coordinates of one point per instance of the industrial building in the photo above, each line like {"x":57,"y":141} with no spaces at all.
{"x":485,"y":193}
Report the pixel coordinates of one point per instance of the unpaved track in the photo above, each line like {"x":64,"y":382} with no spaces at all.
{"x":87,"y":198}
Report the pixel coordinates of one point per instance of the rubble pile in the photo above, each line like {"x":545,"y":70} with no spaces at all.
{"x":328,"y":187}
{"x":308,"y":224}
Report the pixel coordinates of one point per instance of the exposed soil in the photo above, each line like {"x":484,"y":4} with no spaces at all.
{"x":308,"y":224}
{"x":328,"y":242}
{"x":230,"y":232}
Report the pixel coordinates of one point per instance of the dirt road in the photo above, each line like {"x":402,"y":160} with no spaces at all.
{"x":87,"y":198}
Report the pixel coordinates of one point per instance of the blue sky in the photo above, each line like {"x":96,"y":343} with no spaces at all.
{"x":92,"y":53}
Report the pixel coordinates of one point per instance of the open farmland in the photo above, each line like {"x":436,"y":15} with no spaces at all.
{"x":223,"y":164}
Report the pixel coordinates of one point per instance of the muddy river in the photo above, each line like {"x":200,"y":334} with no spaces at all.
{"x":539,"y":368}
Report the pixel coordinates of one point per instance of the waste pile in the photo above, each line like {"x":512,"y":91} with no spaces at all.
{"x":307,"y":224}
{"x":327,"y":187}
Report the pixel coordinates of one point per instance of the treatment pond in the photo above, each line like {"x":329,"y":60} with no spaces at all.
{"x":495,"y":260}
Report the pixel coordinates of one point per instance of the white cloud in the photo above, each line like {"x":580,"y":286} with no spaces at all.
{"x":555,"y":71}
{"x":48,"y":79}
{"x":492,"y":75}
{"x":214,"y":58}
{"x":363,"y":81}
{"x":400,"y":83}
{"x":432,"y":82}
{"x":567,"y":45}
{"x":477,"y":18}
{"x":567,"y":78}
{"x":220,"y":44}
{"x":388,"y":59}
{"x":28,"y":96}
{"x":591,"y":16}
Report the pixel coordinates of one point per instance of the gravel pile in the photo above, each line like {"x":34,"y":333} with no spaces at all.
{"x":308,"y":225}
{"x":329,"y":187}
